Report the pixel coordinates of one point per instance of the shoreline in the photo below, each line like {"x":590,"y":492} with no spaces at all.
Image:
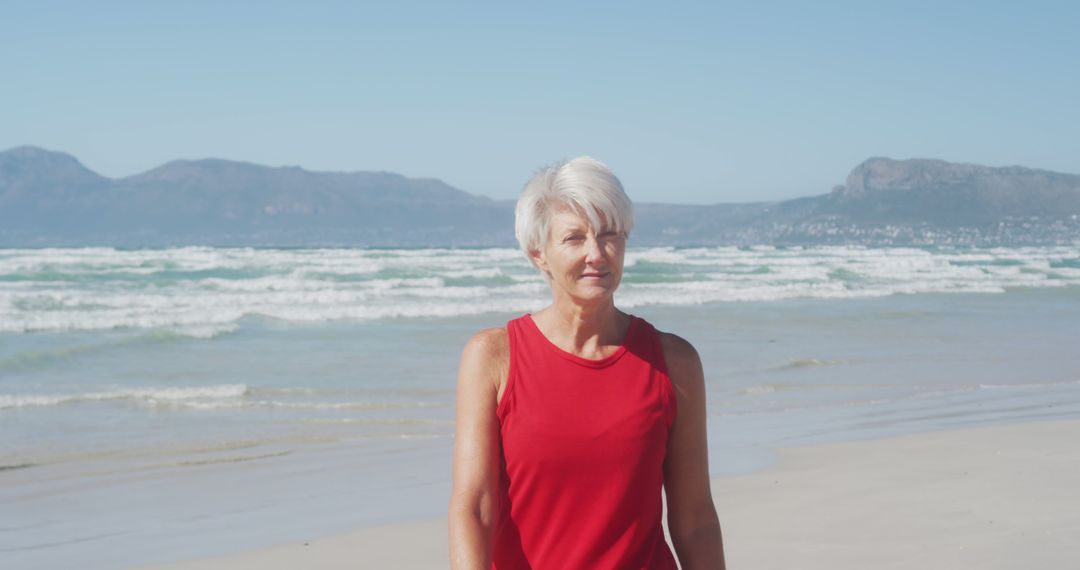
{"x":992,"y":496}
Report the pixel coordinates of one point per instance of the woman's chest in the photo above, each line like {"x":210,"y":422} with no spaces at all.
{"x":586,"y":417}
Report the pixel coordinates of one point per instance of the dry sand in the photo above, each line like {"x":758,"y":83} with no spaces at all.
{"x":990,"y":498}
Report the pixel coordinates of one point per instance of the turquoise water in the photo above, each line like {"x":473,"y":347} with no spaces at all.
{"x":177,"y":403}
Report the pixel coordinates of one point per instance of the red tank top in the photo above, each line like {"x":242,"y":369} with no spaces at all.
{"x":583,"y":447}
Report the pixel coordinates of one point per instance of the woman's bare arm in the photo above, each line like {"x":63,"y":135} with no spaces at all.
{"x":474,"y":499}
{"x":692,"y":520}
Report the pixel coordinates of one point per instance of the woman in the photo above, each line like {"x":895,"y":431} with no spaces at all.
{"x":571,"y":419}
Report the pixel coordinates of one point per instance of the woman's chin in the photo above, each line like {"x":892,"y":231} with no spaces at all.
{"x":592,"y":295}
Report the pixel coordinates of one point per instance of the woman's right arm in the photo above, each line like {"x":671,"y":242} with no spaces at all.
{"x":474,"y":503}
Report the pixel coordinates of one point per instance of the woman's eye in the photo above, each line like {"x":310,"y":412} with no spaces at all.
{"x":574,"y":238}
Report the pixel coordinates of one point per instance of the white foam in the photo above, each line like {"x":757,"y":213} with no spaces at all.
{"x":277,"y":404}
{"x":147,"y":395}
{"x":303,"y":285}
{"x":204,"y":331}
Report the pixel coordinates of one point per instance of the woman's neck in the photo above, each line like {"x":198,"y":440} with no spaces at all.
{"x":590,"y":331}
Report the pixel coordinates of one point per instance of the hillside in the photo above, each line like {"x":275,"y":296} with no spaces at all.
{"x":51,"y":199}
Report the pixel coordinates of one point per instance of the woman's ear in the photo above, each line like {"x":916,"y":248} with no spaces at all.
{"x":537,"y":257}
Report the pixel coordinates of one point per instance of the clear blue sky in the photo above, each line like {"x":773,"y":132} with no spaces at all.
{"x":692,"y":103}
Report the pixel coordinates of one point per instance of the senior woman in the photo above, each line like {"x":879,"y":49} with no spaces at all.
{"x":571,"y":420}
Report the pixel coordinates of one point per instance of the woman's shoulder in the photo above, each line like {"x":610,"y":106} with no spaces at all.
{"x":489,"y":342}
{"x":682,"y":359}
{"x":485,"y":360}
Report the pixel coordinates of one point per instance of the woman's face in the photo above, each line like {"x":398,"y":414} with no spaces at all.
{"x":584,"y":264}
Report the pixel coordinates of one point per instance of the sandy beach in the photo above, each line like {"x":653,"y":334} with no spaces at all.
{"x":990,"y":497}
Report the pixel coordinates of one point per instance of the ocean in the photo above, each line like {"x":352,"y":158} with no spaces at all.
{"x":166,"y":404}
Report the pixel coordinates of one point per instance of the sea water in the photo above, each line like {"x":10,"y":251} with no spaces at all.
{"x":163,"y":404}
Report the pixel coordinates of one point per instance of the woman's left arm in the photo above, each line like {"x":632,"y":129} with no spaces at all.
{"x":692,"y":520}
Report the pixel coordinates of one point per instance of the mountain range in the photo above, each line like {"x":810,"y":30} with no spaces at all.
{"x":50,"y":199}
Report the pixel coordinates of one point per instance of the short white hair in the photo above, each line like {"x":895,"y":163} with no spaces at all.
{"x":583,"y":184}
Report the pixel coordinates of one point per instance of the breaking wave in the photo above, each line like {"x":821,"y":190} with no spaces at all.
{"x":202,"y":292}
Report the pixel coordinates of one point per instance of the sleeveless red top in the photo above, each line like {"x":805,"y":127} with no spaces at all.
{"x":583,"y":447}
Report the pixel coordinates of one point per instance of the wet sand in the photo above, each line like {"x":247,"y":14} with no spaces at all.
{"x":998,"y":497}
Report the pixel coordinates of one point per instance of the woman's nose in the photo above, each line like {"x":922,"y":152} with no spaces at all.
{"x":594,"y":252}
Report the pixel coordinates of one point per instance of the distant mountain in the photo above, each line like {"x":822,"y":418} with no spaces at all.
{"x":887,"y":201}
{"x":49,"y":198}
{"x":881,"y":190}
{"x":31,"y":175}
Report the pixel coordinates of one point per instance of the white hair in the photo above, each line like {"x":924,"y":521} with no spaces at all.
{"x":584,"y":184}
